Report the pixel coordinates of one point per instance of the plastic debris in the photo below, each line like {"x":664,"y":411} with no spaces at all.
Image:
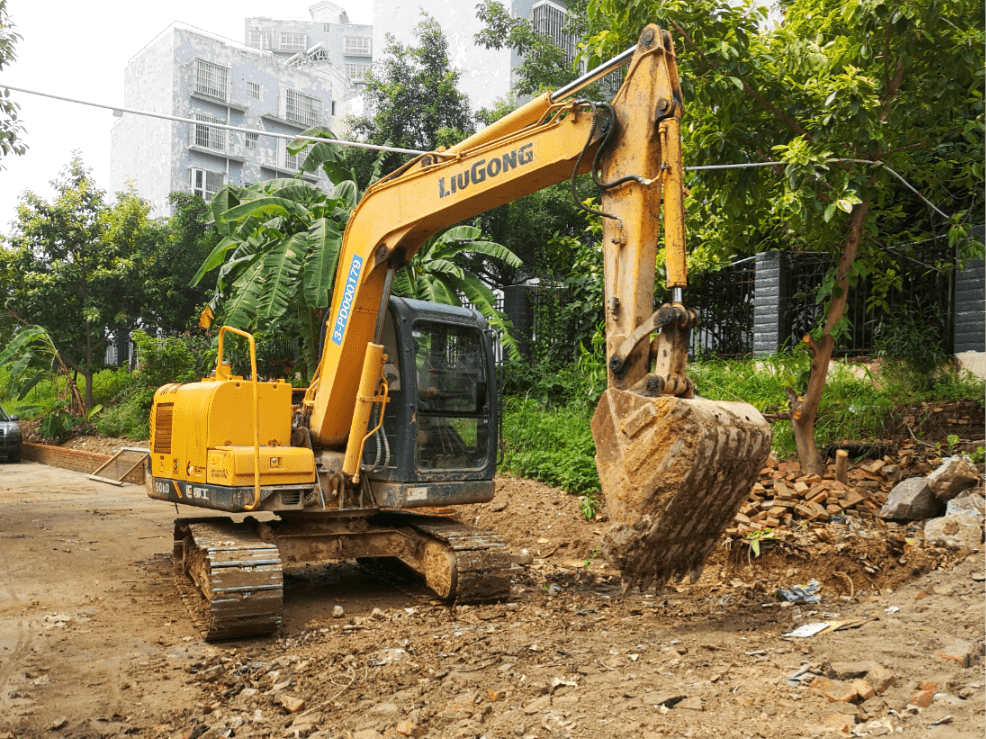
{"x":807,"y":630}
{"x":801,"y":593}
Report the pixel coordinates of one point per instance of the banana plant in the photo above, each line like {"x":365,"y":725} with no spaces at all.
{"x":280,"y":249}
{"x":436,"y":273}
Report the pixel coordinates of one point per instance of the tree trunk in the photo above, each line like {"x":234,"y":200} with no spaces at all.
{"x":804,"y":409}
{"x":87,"y":370}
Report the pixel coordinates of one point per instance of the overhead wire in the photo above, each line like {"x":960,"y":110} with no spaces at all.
{"x":117,"y":110}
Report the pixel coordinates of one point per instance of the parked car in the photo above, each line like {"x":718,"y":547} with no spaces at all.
{"x":10,"y":437}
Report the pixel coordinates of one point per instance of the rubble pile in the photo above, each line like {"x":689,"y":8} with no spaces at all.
{"x":883,"y":493}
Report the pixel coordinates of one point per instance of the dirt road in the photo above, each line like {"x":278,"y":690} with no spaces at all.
{"x":94,"y":641}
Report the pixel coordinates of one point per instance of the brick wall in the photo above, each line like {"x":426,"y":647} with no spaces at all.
{"x":73,"y":459}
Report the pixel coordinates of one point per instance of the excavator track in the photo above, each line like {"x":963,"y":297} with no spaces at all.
{"x":482,"y":563}
{"x":229,"y":579}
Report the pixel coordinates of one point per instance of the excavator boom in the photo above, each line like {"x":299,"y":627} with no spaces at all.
{"x":673,"y":469}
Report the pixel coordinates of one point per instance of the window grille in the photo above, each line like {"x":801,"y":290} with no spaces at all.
{"x":294,"y":162}
{"x":204,"y":183}
{"x":211,"y":79}
{"x":209,"y":136}
{"x":255,"y":38}
{"x":292,"y":41}
{"x":251,"y":140}
{"x":356,"y":46}
{"x":549,"y":20}
{"x":357,"y":71}
{"x":303,"y":109}
{"x":253,"y":90}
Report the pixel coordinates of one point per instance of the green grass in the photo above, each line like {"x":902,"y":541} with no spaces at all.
{"x":551,"y":442}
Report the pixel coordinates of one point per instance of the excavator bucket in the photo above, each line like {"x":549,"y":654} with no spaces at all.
{"x":674,"y":472}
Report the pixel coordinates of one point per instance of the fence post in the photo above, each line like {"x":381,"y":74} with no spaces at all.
{"x":970,"y":306}
{"x":770,"y":329}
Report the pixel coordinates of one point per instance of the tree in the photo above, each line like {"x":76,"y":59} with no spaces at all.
{"x":169,"y":254}
{"x":72,"y":258}
{"x":839,"y":93}
{"x":277,"y":257}
{"x":414,"y":98}
{"x":544,"y":228}
{"x":10,"y":127}
{"x":544,"y":65}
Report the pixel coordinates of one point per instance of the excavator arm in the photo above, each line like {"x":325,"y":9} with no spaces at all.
{"x":674,"y":468}
{"x":540,"y":144}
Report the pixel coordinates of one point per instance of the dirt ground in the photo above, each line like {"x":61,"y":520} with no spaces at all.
{"x":95,"y":642}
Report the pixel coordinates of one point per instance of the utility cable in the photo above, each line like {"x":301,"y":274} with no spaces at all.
{"x":117,"y":111}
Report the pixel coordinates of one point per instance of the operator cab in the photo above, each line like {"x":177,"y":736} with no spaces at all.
{"x":437,"y":444}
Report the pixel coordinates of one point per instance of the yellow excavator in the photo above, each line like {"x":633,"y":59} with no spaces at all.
{"x":403,"y":412}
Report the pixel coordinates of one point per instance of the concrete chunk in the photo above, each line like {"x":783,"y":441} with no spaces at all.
{"x":971,"y":503}
{"x":953,"y":476}
{"x":957,"y":531}
{"x":911,"y":500}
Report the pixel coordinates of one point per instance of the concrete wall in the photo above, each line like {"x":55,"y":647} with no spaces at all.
{"x":140,"y":147}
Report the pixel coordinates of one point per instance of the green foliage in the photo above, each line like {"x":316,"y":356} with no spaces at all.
{"x":436,"y":273}
{"x":108,"y":384}
{"x":912,"y":338}
{"x":551,"y":445}
{"x":11,"y":141}
{"x":544,"y":65}
{"x":30,"y":357}
{"x":552,"y":442}
{"x":169,"y":254}
{"x":413,"y":93}
{"x":279,"y":251}
{"x":164,"y":360}
{"x":69,"y":266}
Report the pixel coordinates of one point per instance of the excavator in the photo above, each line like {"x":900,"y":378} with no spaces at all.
{"x":404,"y":412}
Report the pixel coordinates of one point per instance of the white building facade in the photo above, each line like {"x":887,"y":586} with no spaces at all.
{"x":189,"y":73}
{"x":328,"y":39}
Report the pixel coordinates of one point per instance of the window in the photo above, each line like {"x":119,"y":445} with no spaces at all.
{"x":205,"y":183}
{"x":211,"y":79}
{"x":251,"y":140}
{"x":356,"y":45}
{"x":209,"y":136}
{"x":258,"y":38}
{"x":452,"y":398}
{"x":292,"y":41}
{"x":303,"y":109}
{"x":357,"y":71}
{"x":549,"y":20}
{"x":294,"y":162}
{"x":253,"y":90}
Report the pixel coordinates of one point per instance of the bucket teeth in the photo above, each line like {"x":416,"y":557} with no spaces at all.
{"x":674,"y":471}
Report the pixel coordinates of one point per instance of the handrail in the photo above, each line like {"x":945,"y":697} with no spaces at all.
{"x":256,"y":406}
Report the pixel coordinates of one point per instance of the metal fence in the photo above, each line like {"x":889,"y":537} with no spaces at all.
{"x":926,"y":295}
{"x":725,"y":301}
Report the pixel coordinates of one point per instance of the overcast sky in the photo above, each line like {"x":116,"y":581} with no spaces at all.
{"x":80,"y":50}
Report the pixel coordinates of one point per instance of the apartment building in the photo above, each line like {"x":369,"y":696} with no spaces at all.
{"x":327,"y":39}
{"x":190,"y":73}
